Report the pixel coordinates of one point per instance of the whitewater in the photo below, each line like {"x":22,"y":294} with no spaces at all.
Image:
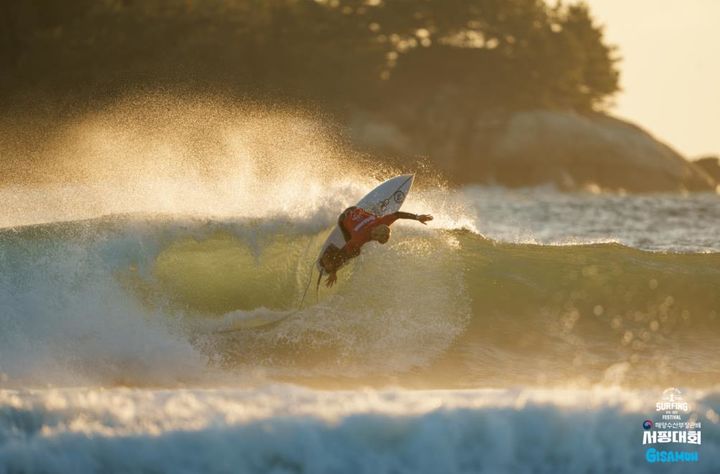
{"x":523,"y":331}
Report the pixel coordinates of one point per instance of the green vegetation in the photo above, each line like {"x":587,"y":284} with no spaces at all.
{"x":495,"y":54}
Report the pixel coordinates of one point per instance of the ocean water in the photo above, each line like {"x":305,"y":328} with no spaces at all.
{"x":522,"y":331}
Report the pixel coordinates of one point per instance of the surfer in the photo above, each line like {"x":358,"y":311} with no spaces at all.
{"x":360,"y":227}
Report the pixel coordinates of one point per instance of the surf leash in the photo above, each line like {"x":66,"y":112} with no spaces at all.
{"x":317,"y":287}
{"x":302,"y":300}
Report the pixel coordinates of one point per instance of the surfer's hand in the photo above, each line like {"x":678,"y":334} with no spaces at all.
{"x":424,"y":218}
{"x":331,"y":279}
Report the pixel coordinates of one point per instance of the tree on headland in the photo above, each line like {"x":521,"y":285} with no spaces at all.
{"x":506,"y":54}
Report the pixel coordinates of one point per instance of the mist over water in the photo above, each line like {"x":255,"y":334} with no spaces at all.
{"x":159,"y":154}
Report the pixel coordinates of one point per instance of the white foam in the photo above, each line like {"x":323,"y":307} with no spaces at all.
{"x":288,"y":429}
{"x":66,"y":319}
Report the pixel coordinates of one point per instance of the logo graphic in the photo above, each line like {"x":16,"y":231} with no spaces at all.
{"x":675,"y":424}
{"x":356,"y":214}
{"x":671,"y":400}
{"x":672,"y":394}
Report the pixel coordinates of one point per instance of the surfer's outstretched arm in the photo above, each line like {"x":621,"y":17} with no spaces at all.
{"x":390,"y":218}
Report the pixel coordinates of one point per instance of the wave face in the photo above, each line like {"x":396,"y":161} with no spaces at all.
{"x":147,"y":301}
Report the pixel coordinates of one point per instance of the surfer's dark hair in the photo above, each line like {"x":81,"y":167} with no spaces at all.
{"x":333,"y":254}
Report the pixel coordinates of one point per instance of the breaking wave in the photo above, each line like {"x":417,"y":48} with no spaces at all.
{"x":161,"y":300}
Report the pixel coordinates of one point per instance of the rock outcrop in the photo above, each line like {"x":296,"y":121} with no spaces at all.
{"x":527,"y":148}
{"x":711,"y":165}
{"x":574,"y":150}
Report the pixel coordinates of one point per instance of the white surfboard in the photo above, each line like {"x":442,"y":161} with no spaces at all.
{"x":385,"y":199}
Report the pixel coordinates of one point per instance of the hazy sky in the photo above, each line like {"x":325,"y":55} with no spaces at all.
{"x":670,"y":71}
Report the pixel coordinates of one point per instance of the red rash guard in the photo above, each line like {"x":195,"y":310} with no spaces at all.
{"x":356,"y":225}
{"x":359,"y":223}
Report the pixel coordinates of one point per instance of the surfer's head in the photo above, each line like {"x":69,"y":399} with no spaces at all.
{"x":380,"y":233}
